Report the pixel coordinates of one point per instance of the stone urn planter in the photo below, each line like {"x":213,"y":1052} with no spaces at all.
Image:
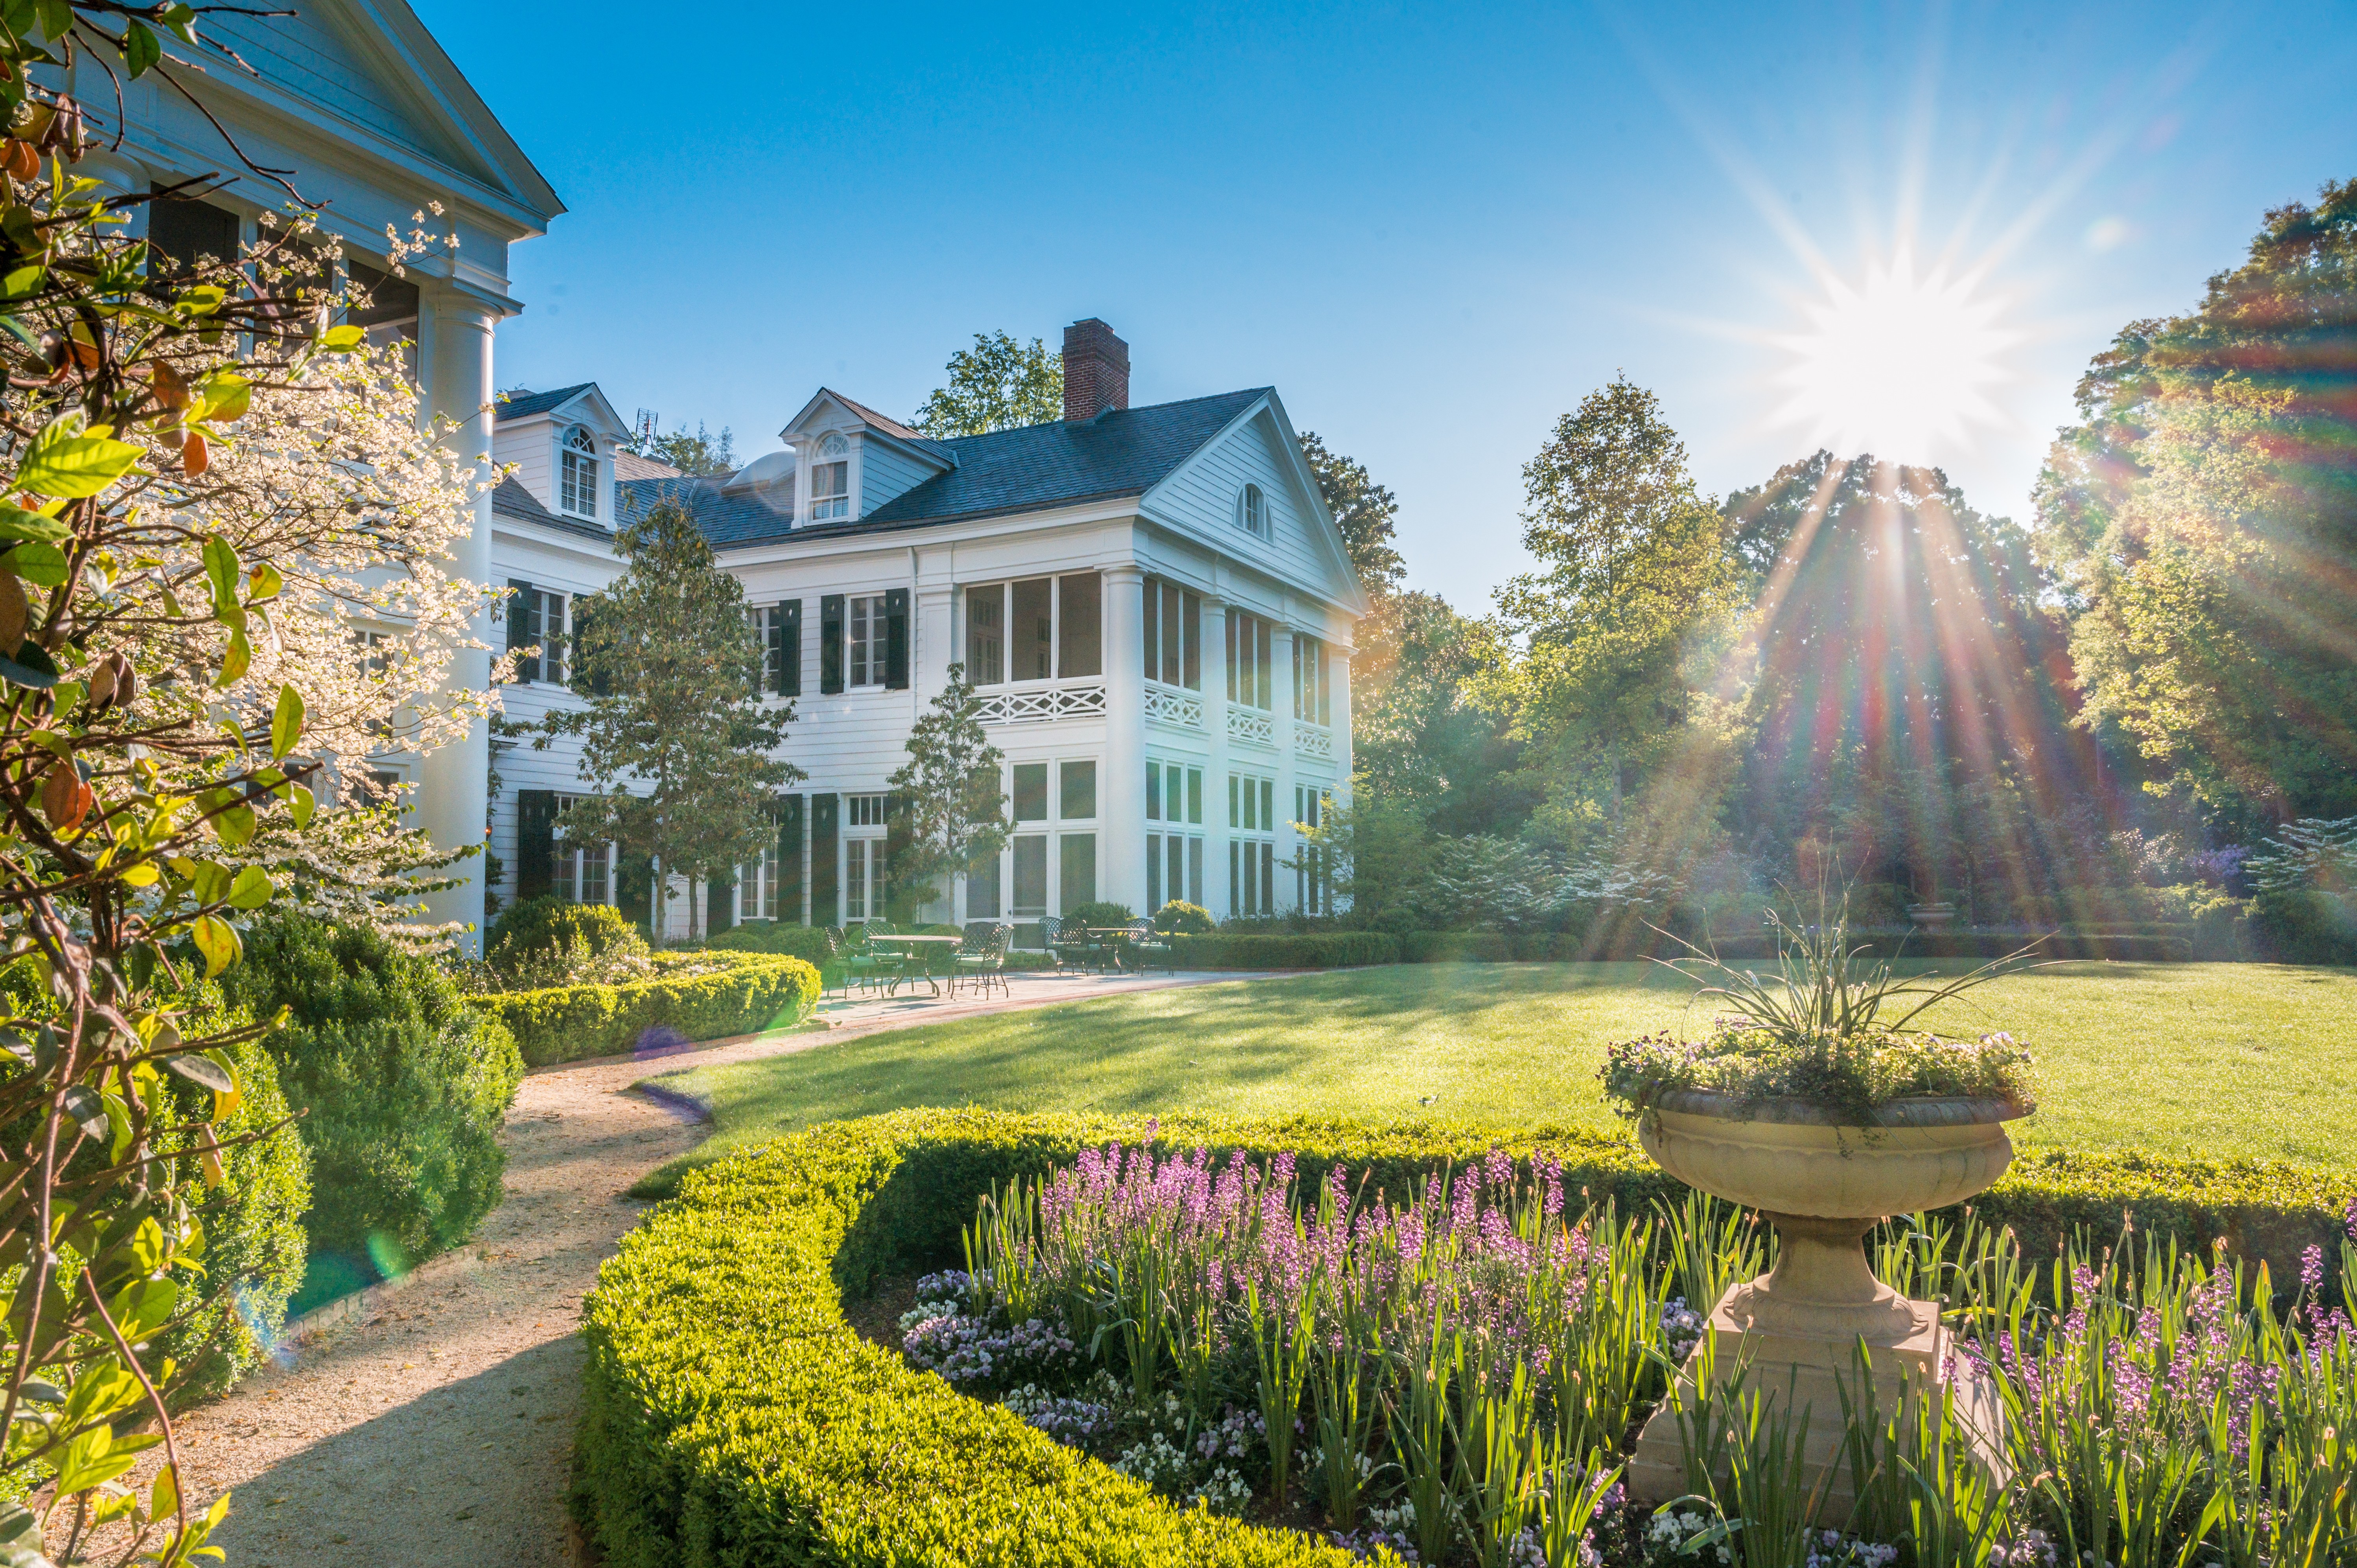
{"x":1824,"y":1183}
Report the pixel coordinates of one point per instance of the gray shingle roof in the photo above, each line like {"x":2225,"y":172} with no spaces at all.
{"x":517,"y":405}
{"x":511,"y":500}
{"x":1125,"y":452}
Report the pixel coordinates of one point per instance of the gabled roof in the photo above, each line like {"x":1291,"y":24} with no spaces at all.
{"x":728,"y":518}
{"x":1124,"y":452}
{"x":630,"y":466}
{"x":884,"y":424}
{"x":523,"y":404}
{"x":510,"y":499}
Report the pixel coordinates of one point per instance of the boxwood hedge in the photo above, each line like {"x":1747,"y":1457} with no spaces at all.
{"x":568,"y":1021}
{"x":1316,"y":950}
{"x":731,"y":1416}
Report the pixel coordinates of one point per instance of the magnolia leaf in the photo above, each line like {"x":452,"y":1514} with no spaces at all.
{"x":204,"y":1071}
{"x":85,"y":1106}
{"x":141,"y":49}
{"x":220,"y":568}
{"x":235,"y":662}
{"x":264,"y":583}
{"x":38,"y":563}
{"x":341,"y":340}
{"x":31,"y":667}
{"x":301,"y":805}
{"x":15,"y":522}
{"x":71,"y":467}
{"x":286,"y":723}
{"x":235,"y":826}
{"x":217,"y":939}
{"x":252,"y":889}
{"x":226,"y":396}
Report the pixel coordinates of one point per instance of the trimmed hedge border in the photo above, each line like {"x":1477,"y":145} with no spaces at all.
{"x":567,"y":1023}
{"x":731,"y":1416}
{"x":1318,"y":950}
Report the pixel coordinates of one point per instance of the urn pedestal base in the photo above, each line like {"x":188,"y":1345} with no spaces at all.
{"x":1796,"y":1331}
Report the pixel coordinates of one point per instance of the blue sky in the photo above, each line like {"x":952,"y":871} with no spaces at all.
{"x":1432,"y":228}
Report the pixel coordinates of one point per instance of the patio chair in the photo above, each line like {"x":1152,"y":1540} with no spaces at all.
{"x":981,"y":959}
{"x":1070,"y":945}
{"x":892,"y":964}
{"x":1146,"y":947}
{"x":869,"y":966}
{"x":839,"y":961}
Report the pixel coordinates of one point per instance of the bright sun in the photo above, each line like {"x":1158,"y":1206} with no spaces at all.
{"x":1900,"y":364}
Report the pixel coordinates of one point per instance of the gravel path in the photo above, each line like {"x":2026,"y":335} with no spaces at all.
{"x":437,"y":1430}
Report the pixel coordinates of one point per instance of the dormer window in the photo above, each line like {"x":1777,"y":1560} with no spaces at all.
{"x":576,"y":488}
{"x":831,"y":481}
{"x":1252,"y":511}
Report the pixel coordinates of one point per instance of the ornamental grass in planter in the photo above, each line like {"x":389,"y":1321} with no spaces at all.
{"x":1811,"y":1101}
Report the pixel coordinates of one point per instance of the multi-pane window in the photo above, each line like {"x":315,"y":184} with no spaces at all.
{"x":544,"y":626}
{"x":864,"y":638}
{"x":756,"y":888}
{"x":1252,"y":511}
{"x":982,"y":890}
{"x":1251,"y":844}
{"x":1250,"y":676}
{"x":1174,"y":854}
{"x":830,"y":490}
{"x":863,"y":880}
{"x":1041,"y":628}
{"x":1313,"y":892}
{"x":1046,"y":868}
{"x":867,"y":811}
{"x":373,"y":664}
{"x":1076,"y":791}
{"x":576,"y":483}
{"x":581,"y":874}
{"x":1312,"y":695}
{"x":1174,"y":635}
{"x":772,"y":628}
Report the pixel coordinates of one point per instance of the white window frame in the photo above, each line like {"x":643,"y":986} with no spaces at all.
{"x":1005,"y":593}
{"x":756,"y":887}
{"x":1252,"y":511}
{"x":568,"y":867}
{"x":554,"y":618}
{"x":862,"y":869}
{"x":833,"y":459}
{"x":576,"y":459}
{"x":866,"y":638}
{"x":1255,"y":844}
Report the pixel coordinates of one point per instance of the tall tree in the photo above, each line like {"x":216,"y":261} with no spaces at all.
{"x":1416,"y":742}
{"x":1366,"y":512}
{"x":702,"y":453}
{"x":668,"y":661}
{"x":953,"y":813}
{"x":2203,"y":522}
{"x":998,"y":385}
{"x":1611,"y":650}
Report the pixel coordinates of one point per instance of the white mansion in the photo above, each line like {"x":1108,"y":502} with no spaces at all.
{"x":1155,"y":602}
{"x":1156,"y":597}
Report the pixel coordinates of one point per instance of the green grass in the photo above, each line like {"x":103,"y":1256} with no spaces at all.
{"x":2221,"y":1060}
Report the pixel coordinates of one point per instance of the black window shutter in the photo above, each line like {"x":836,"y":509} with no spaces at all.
{"x":776,"y":654}
{"x":789,"y":662}
{"x":789,"y":860}
{"x":829,"y":647}
{"x":896,"y":639}
{"x":826,"y":901}
{"x":523,"y":627}
{"x":719,"y":904}
{"x":536,"y":842}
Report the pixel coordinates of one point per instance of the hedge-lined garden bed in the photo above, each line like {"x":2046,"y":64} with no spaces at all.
{"x":732,"y":1416}
{"x":566,"y":1023}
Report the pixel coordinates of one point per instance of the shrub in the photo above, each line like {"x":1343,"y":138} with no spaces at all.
{"x":1179,"y":917}
{"x":1099,"y":912}
{"x":568,"y":1022}
{"x":731,"y":1415}
{"x":1325,"y":949}
{"x":543,"y":924}
{"x":401,"y":1085}
{"x":2303,"y":925}
{"x":807,"y":943}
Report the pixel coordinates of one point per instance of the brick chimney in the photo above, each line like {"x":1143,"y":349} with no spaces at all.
{"x":1096,"y":369}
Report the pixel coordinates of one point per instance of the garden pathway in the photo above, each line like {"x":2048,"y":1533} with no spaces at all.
{"x":437,"y":1427}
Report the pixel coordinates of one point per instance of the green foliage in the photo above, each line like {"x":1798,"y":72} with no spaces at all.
{"x":1325,"y":949}
{"x":953,"y":813}
{"x":998,"y":385}
{"x":568,"y":1022}
{"x":544,"y":924}
{"x":2188,"y":516}
{"x":1179,"y":918}
{"x":728,"y":1407}
{"x":805,"y":942}
{"x":2305,"y":925}
{"x":1099,"y":912}
{"x":402,"y":1088}
{"x":668,"y":661}
{"x":702,"y":454}
{"x":1420,"y":746}
{"x":1366,"y":513}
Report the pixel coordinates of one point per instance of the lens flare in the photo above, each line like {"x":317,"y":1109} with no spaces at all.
{"x":1901,"y":362}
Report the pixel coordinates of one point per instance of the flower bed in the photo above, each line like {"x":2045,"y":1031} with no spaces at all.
{"x":747,"y":994}
{"x":733,"y":1416}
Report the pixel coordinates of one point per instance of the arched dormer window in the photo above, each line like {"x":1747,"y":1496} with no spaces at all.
{"x":831,"y":480}
{"x":1252,"y":511}
{"x":577,"y":488}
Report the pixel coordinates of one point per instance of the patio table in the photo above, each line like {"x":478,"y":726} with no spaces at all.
{"x":921,"y":949}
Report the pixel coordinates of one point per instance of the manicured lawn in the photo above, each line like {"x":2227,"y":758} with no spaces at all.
{"x":2223,"y":1060}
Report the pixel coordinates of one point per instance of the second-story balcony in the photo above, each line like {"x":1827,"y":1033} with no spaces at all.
{"x":1042,"y":702}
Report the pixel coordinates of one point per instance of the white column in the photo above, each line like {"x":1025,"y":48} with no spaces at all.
{"x":1288,"y":842}
{"x":1121,"y":815}
{"x":1218,"y":896}
{"x":454,"y":788}
{"x":1338,"y":684}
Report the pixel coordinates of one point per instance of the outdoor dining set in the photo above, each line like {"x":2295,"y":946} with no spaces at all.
{"x":875,"y":957}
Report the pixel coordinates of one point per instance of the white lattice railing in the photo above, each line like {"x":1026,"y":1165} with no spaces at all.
{"x":1252,"y":726}
{"x":1168,"y":705}
{"x":1041,"y":705}
{"x":1312,"y":740}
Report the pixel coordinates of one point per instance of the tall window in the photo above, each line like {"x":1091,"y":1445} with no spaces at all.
{"x":831,"y":480}
{"x":1174,"y":635}
{"x":1252,"y":511}
{"x":582,"y":873}
{"x":864,"y":641}
{"x":1313,"y":891}
{"x":1250,"y":677}
{"x":576,"y":483}
{"x":863,"y":857}
{"x":1251,"y":844}
{"x":1040,"y":628}
{"x":1174,"y":854}
{"x":1311,"y":698}
{"x":756,"y":887}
